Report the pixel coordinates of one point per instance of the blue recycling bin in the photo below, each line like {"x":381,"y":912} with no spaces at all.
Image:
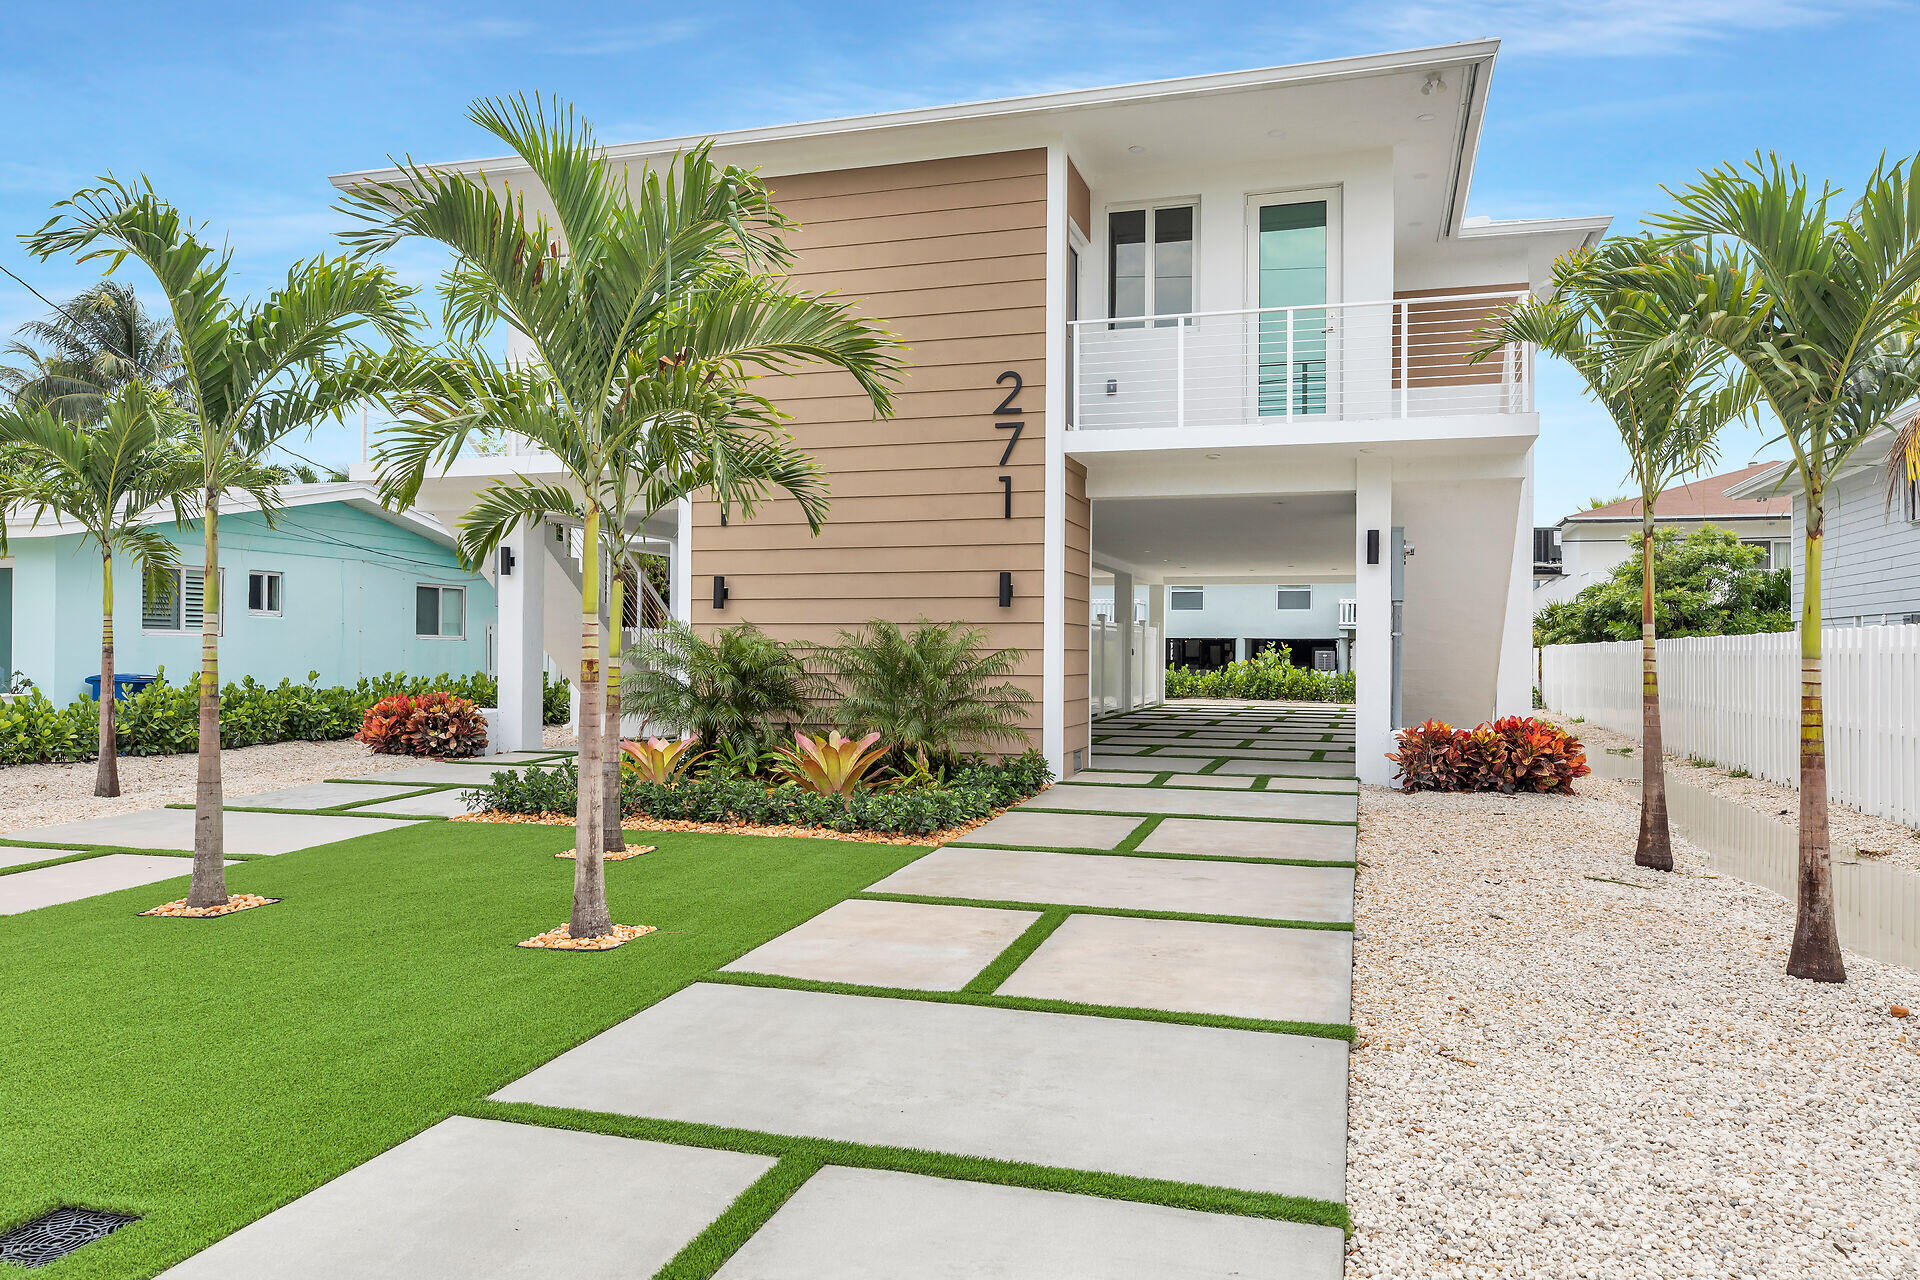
{"x":124,"y":686}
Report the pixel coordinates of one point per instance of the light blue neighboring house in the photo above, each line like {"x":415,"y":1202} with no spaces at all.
{"x":338,"y":585}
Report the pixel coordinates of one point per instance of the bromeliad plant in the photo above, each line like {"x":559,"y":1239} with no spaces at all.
{"x":829,"y":766}
{"x":658,"y":759}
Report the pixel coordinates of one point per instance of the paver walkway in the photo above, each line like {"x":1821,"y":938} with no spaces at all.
{"x":1103,"y":1036}
{"x":89,"y":853}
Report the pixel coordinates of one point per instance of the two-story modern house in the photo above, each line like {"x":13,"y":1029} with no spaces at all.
{"x":1222,"y":322}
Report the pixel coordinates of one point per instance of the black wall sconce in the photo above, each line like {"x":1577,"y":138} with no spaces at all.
{"x":1373,"y":546}
{"x":1006,"y":589}
{"x":719,"y":591}
{"x":506,"y":562}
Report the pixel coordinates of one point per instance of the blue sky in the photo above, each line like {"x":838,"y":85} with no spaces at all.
{"x":239,"y":112}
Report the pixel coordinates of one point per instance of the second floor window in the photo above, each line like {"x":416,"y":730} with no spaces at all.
{"x":1150,"y":261}
{"x":1295,"y":598}
{"x":1186,"y":598}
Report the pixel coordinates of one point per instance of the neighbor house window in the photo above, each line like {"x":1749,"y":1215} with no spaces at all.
{"x":264,"y":594}
{"x":1150,"y":261}
{"x":1294,"y":598}
{"x":440,"y":612}
{"x":1186,"y":598}
{"x":1779,"y":554}
{"x":173,"y":601}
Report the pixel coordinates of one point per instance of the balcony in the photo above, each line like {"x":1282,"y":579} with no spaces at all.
{"x":1292,"y":367}
{"x":1350,"y":615}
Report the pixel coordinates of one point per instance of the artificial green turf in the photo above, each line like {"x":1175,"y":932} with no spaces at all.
{"x":988,"y":980}
{"x":201,"y":1073}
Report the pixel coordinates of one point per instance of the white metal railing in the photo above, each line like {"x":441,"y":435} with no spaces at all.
{"x":1735,"y":700}
{"x":1349,"y":615}
{"x":1409,"y":357}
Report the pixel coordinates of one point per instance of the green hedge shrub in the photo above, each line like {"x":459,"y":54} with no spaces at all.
{"x":164,"y":719}
{"x":1268,"y":676}
{"x":970,"y":793}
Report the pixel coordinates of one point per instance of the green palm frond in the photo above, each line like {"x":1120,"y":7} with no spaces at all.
{"x":934,"y":688}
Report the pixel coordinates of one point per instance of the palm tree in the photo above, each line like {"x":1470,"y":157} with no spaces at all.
{"x":726,"y":688}
{"x":1669,"y":414}
{"x":105,"y":480}
{"x":931,"y":691}
{"x":646,"y":313}
{"x":254,"y":372}
{"x":99,"y":341}
{"x":1821,"y":312}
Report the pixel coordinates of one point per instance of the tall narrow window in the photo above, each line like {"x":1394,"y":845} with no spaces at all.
{"x":1150,"y":261}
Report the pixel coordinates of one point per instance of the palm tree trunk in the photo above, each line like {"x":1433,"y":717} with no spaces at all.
{"x":209,"y":887}
{"x":1655,"y":848}
{"x":106,"y":781}
{"x":1816,"y":938}
{"x":616,"y":836}
{"x":590,"y":917}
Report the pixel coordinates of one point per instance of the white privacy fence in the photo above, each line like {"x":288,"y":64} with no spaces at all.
{"x":1107,"y":649}
{"x":1735,"y":700}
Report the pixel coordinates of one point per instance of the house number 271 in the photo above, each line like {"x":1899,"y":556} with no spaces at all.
{"x":1007,"y":406}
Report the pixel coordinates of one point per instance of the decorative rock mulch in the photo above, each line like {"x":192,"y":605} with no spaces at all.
{"x":931,"y":840}
{"x":618,"y":855}
{"x":560,"y":939}
{"x":179,"y":909}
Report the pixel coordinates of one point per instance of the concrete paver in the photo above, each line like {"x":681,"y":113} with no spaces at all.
{"x":1170,"y":799}
{"x":1236,"y":970}
{"x":1148,"y":1099}
{"x":87,"y":878}
{"x":1191,"y":887}
{"x":472,"y":1198}
{"x":891,"y":944}
{"x":941,"y":1229}
{"x":250,"y":833}
{"x":1025,"y":827}
{"x":1209,"y":836}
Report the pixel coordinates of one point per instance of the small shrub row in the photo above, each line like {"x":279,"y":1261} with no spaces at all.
{"x":1269,"y":676}
{"x":164,"y":719}
{"x":968,"y":794}
{"x":1512,"y":754}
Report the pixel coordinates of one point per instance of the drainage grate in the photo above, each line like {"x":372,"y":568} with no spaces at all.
{"x":54,"y":1235}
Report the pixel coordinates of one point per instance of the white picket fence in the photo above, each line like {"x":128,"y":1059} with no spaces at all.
{"x":1735,"y":700}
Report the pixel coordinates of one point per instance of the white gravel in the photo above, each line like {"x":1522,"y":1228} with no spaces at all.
{"x":1570,"y":1078}
{"x":39,"y":795}
{"x":1880,"y":839}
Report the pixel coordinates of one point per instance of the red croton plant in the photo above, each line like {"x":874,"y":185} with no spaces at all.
{"x":426,"y":724}
{"x":1516,"y":753}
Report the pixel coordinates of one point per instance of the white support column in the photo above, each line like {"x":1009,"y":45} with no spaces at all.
{"x":1373,"y":636}
{"x":1157,"y":628}
{"x":521,"y":639}
{"x":1129,"y":697}
{"x":1513,"y":687}
{"x":1053,"y":554}
{"x":680,"y":569}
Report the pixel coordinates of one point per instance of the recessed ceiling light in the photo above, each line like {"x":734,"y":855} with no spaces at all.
{"x":1276,"y":133}
{"x":1419,"y":177}
{"x":1416,"y":223}
{"x":1213,"y":455}
{"x":1424,"y":115}
{"x":1137,"y":149}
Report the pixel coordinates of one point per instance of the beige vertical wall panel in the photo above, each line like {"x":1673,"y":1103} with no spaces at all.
{"x":950,"y":255}
{"x":1076,"y":722}
{"x":1079,"y":201}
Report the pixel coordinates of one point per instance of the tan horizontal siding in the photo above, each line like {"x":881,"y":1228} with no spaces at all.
{"x":950,"y":255}
{"x":1443,"y":335}
{"x":1076,"y":728}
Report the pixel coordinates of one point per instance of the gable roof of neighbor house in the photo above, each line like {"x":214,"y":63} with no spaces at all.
{"x":1148,"y":109}
{"x":1780,"y":480}
{"x":351,"y":493}
{"x":1708,"y":498}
